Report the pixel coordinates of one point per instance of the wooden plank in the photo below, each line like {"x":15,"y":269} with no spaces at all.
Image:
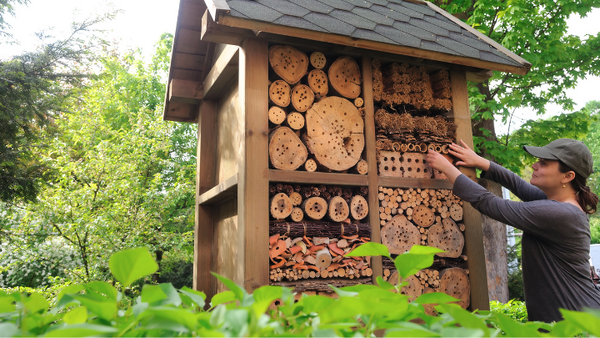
{"x":252,"y":25}
{"x":184,"y":74}
{"x":189,"y":14}
{"x":253,"y":183}
{"x":222,"y":72}
{"x":205,"y":177}
{"x":317,"y":178}
{"x":188,"y":61}
{"x":181,"y":112}
{"x":416,"y":183}
{"x":221,"y":192}
{"x":213,"y":32}
{"x":188,"y":41}
{"x":373,"y":201}
{"x":217,"y":7}
{"x":185,"y":91}
{"x":471,"y":217}
{"x":479,"y":76}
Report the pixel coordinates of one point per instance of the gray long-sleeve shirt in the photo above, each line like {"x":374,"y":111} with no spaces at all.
{"x":555,"y":244}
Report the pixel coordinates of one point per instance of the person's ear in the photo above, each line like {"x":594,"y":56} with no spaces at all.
{"x":569,"y":176}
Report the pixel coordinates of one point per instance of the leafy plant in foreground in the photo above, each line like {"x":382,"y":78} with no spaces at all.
{"x":99,"y":309}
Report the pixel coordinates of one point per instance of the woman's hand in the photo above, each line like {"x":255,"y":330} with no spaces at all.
{"x":439,"y":162}
{"x":468,"y":158}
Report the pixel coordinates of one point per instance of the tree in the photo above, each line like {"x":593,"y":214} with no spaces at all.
{"x":6,"y":7}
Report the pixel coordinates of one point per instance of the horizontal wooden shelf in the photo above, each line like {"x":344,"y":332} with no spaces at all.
{"x":418,"y":183}
{"x":221,"y":192}
{"x":290,"y":176}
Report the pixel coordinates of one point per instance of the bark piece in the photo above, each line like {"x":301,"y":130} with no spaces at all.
{"x":277,"y":115}
{"x":317,"y":81}
{"x":295,"y":120}
{"x":280,"y":93}
{"x":318,"y":60}
{"x":286,"y":150}
{"x":455,"y":282}
{"x":338,"y":209}
{"x":456,"y":212}
{"x":315,"y":207}
{"x":319,"y":229}
{"x":288,"y":62}
{"x":423,"y":216}
{"x":344,"y":76}
{"x":281,"y":206}
{"x":359,"y":207}
{"x":302,"y":97}
{"x":399,"y":235}
{"x":446,"y":236}
{"x":335,"y":133}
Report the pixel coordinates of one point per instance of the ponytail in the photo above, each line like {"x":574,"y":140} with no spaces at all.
{"x":588,"y":201}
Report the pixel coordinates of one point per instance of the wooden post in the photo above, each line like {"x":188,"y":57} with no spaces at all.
{"x":253,"y":184}
{"x":471,"y":217}
{"x":205,"y":180}
{"x":372,"y":175}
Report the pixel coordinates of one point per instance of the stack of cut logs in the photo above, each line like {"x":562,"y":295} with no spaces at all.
{"x":316,"y":257}
{"x":401,"y":84}
{"x":306,"y":202}
{"x":421,"y":216}
{"x":310,"y":130}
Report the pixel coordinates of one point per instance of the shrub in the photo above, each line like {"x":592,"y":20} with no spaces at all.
{"x":514,"y":309}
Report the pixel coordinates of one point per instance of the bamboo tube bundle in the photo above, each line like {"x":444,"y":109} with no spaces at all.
{"x":377,"y":79}
{"x":429,"y":278}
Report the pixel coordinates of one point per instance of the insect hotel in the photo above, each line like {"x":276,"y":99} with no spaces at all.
{"x":314,"y":118}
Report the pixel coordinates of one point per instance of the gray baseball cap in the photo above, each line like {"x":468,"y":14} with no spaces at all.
{"x":573,"y":153}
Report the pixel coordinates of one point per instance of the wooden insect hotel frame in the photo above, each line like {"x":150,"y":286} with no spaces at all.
{"x":314,"y":118}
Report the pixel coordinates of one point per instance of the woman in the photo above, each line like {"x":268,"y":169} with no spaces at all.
{"x":553,"y":217}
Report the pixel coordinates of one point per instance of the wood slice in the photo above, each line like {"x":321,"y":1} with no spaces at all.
{"x":318,"y":60}
{"x":362,"y":167}
{"x":338,"y":209}
{"x":317,"y":81}
{"x":344,"y":76}
{"x":423,"y":216}
{"x":323,"y":259}
{"x":359,"y":207}
{"x":296,"y":198}
{"x":456,"y":212}
{"x":446,"y":236}
{"x":297,"y":214}
{"x":310,"y":165}
{"x":455,"y":282}
{"x":302,"y":97}
{"x":414,"y":288}
{"x":281,"y":206}
{"x":399,"y":235}
{"x":315,"y":207}
{"x":286,"y":150}
{"x":288,"y":62}
{"x":295,"y":121}
{"x":277,"y":115}
{"x":335,"y":133}
{"x":280,"y":93}
{"x":359,"y":102}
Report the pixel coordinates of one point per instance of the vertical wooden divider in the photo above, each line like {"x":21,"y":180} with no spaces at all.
{"x":373,"y":201}
{"x":253,"y":181}
{"x":471,"y":217}
{"x":205,"y":180}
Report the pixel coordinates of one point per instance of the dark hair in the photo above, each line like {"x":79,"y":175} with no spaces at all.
{"x":588,"y":201}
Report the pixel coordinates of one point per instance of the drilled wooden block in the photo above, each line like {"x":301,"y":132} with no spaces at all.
{"x":414,"y":165}
{"x":390,"y":163}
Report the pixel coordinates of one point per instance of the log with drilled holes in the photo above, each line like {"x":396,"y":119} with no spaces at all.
{"x":277,"y":115}
{"x":280,"y":93}
{"x":317,"y":81}
{"x":335,"y":133}
{"x":423,"y":216}
{"x":302,"y":97}
{"x":338,"y":209}
{"x":362,"y":167}
{"x":448,"y":237}
{"x":315,"y":207}
{"x":281,"y":206}
{"x":295,"y":120}
{"x":399,"y":235}
{"x":288,"y":62}
{"x":359,"y":207}
{"x":345,"y":78}
{"x":456,"y":212}
{"x":318,"y":60}
{"x":455,"y":282}
{"x":311,"y":165}
{"x":286,"y":150}
{"x":414,"y":288}
{"x":297,"y":214}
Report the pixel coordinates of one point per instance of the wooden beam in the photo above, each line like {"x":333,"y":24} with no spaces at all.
{"x":213,"y":32}
{"x":188,"y":61}
{"x":223,"y":71}
{"x":479,"y":76}
{"x":471,"y":217}
{"x":217,"y":7}
{"x":253,"y":182}
{"x":220,"y":193}
{"x":371,"y":157}
{"x":416,"y":183}
{"x":205,"y":218}
{"x":259,"y":26}
{"x":305,"y":177}
{"x":185,"y":91}
{"x":180,"y":112}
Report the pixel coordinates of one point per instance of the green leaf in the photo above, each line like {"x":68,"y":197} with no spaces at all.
{"x":237,"y":291}
{"x":408,"y":329}
{"x":197,"y":297}
{"x":130,"y":265}
{"x":81,"y":330}
{"x":435,"y":298}
{"x":464,"y":318}
{"x":461,"y":332}
{"x":409,"y":264}
{"x":7,"y":304}
{"x":172,"y":295}
{"x":315,"y":303}
{"x":75,"y":288}
{"x":424,"y":250}
{"x":152,"y":293}
{"x":104,"y":309}
{"x":76,"y":316}
{"x":166,"y":315}
{"x":9,"y":329}
{"x":384,"y":284}
{"x":369,"y":249}
{"x":588,"y":321}
{"x":222,"y":297}
{"x":35,"y":303}
{"x":513,"y":328}
{"x":102,"y":288}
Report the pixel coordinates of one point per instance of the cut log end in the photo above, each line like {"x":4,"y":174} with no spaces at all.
{"x":302,"y":97}
{"x":315,"y":207}
{"x":280,"y":93}
{"x":338,"y":209}
{"x":310,"y":165}
{"x":277,"y":115}
{"x":359,"y":207}
{"x":318,"y":60}
{"x":295,"y":121}
{"x":345,"y":78}
{"x":286,"y":150}
{"x":288,"y":62}
{"x":281,"y":206}
{"x":362,"y":167}
{"x":317,"y":81}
